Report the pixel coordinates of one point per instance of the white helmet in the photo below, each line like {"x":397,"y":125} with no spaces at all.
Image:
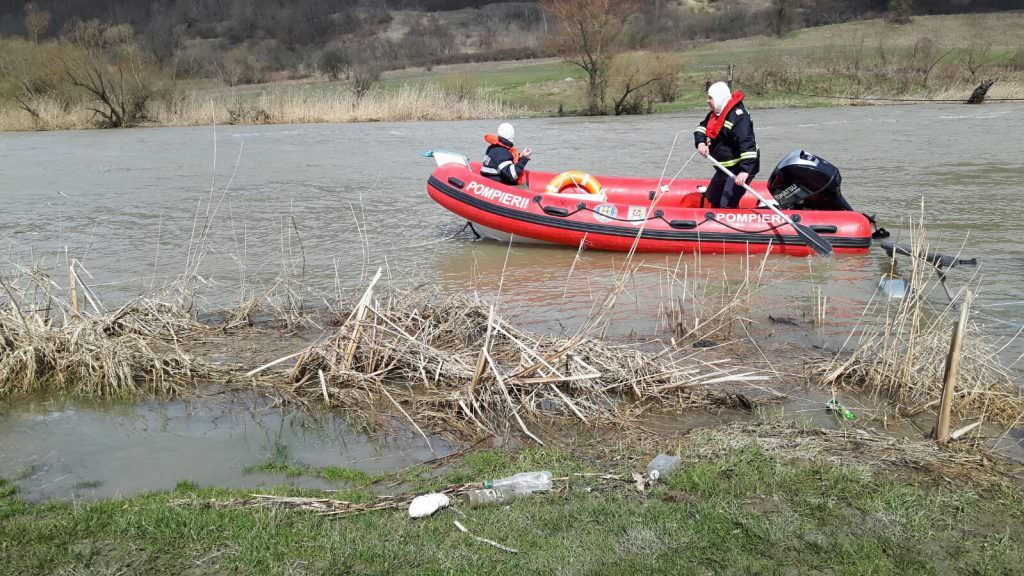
{"x":507,"y":131}
{"x":720,"y":95}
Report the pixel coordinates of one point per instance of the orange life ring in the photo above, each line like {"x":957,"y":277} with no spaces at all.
{"x":575,"y":179}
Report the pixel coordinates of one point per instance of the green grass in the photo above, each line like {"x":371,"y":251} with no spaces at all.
{"x":333,"y":473}
{"x":745,"y":513}
{"x":474,"y":467}
{"x":7,"y":489}
{"x":27,"y":472}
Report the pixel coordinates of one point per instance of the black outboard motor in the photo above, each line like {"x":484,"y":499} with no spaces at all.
{"x":803,"y":181}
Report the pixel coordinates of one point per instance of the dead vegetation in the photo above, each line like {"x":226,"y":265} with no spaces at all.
{"x":849,"y":447}
{"x":899,"y":351}
{"x":451,"y":364}
{"x":454,"y":365}
{"x":447,"y":364}
{"x":50,"y":342}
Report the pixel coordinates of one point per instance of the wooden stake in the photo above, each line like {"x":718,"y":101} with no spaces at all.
{"x":952,"y":366}
{"x":73,"y":288}
{"x":323,"y":387}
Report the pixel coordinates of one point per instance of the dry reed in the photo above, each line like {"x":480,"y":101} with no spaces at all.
{"x":701,"y":308}
{"x":50,"y":114}
{"x":323,"y":506}
{"x":298,"y":105}
{"x":50,"y":343}
{"x":451,"y":364}
{"x":901,"y":346}
{"x":279,"y":105}
{"x":445,"y":363}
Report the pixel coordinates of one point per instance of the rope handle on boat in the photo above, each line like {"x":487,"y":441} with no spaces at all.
{"x":710,"y":217}
{"x":657,"y":215}
{"x":549,"y":209}
{"x":581,"y":207}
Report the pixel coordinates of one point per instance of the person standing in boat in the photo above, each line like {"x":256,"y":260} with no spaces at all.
{"x":502,"y":161}
{"x":727,"y":134}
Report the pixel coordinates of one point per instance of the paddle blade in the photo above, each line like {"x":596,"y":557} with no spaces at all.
{"x":820,"y":246}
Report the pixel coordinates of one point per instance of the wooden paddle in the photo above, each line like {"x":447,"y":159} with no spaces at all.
{"x":820,"y":246}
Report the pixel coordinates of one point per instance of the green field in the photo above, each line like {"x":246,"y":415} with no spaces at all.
{"x":871,"y":58}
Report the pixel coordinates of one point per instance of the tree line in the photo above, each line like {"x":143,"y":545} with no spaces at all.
{"x":304,"y":23}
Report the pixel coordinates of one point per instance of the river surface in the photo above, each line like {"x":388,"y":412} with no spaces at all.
{"x":326,"y":205}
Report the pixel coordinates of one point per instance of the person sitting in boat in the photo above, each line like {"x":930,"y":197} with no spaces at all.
{"x":727,"y":134}
{"x":502,"y":161}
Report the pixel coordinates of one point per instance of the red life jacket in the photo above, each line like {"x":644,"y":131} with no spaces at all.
{"x":495,"y":140}
{"x":716,"y":122}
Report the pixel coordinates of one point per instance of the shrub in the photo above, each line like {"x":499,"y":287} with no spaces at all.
{"x":364,"y":78}
{"x":334,"y":62}
{"x":240,"y":67}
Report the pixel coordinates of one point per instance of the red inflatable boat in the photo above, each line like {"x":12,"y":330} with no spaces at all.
{"x":607,"y":213}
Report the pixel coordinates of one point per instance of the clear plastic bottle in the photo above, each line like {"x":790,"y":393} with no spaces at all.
{"x":525,"y":482}
{"x":488,"y":496}
{"x":662,"y":466}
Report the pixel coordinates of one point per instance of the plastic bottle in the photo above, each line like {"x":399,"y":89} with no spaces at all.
{"x":839,"y":410}
{"x":662,"y":466}
{"x":525,"y":482}
{"x":488,"y":496}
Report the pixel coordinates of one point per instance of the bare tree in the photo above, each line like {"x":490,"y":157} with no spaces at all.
{"x":635,"y":78}
{"x":334,"y":62}
{"x":107,"y":64}
{"x":364,"y":78}
{"x":36,"y":21}
{"x":923,"y":59}
{"x":901,"y":11}
{"x":589,"y":36}
{"x":976,"y":56}
{"x":34,"y":77}
{"x":781,"y":15}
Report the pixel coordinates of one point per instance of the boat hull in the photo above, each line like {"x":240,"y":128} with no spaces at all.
{"x":625,"y":214}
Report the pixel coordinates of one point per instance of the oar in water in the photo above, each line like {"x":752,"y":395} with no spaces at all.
{"x":820,"y":246}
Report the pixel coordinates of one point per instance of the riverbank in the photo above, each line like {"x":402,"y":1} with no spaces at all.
{"x":931,"y":59}
{"x":768,"y":493}
{"x":737,"y":506}
{"x":129,"y":200}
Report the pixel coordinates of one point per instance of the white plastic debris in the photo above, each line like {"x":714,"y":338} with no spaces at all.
{"x":427,"y":504}
{"x":662,"y":466}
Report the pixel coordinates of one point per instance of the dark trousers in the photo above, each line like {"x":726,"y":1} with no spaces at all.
{"x":723,"y":192}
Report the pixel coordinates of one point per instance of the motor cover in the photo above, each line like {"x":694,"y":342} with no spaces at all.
{"x":803,"y":181}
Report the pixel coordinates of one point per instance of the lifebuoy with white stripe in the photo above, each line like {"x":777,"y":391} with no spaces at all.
{"x":573,"y":179}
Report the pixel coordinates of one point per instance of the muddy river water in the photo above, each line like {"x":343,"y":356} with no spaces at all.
{"x":329,"y":204}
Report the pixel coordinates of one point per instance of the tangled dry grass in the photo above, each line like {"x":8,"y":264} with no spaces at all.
{"x":451,"y":364}
{"x":50,"y":343}
{"x":448,"y":364}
